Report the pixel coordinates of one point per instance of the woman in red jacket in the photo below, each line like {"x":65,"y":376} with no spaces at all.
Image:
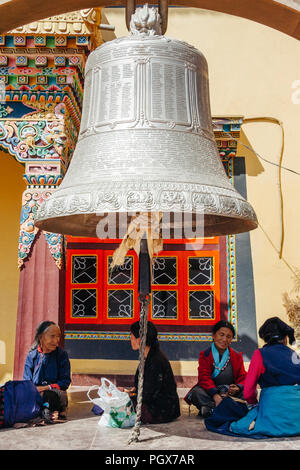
{"x":221,"y":371}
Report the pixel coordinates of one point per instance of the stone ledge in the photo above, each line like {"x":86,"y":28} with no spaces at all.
{"x":185,"y":382}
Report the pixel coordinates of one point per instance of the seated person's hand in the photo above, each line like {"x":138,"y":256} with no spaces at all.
{"x":127,"y":390}
{"x":42,"y":388}
{"x":233,"y":390}
{"x":55,"y":418}
{"x":217,"y":399}
{"x":130,"y":391}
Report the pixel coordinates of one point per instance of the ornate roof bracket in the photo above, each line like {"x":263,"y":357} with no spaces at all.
{"x":41,"y":78}
{"x":84,"y":23}
{"x":31,"y":200}
{"x":41,"y":146}
{"x":41,"y":141}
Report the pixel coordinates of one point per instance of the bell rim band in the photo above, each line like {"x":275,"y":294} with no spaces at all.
{"x":85,"y":209}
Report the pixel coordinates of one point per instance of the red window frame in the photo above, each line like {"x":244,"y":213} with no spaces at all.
{"x":182,"y":286}
{"x":72,"y":286}
{"x":107,"y":287}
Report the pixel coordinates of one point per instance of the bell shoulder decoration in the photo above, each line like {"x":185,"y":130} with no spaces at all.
{"x":145,"y":21}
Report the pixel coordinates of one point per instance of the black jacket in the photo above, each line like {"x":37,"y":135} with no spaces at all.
{"x":159,"y":387}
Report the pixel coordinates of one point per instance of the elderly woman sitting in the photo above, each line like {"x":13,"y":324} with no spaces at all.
{"x":48,"y":367}
{"x":221,"y":371}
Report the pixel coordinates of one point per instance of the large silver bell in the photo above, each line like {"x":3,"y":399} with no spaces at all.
{"x":146,"y":141}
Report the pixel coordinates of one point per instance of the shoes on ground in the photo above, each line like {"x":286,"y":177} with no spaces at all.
{"x":205,"y":411}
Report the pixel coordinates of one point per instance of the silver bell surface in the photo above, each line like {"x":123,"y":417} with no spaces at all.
{"x":146,"y":142}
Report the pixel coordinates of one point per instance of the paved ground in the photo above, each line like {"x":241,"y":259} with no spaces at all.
{"x":81,"y":432}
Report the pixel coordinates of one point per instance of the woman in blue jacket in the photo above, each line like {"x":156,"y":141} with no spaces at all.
{"x":48,"y":367}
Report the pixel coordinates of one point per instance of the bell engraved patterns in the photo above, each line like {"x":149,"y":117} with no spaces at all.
{"x":168,"y":99}
{"x":147,"y":91}
{"x":116,"y":93}
{"x":116,"y":103}
{"x":109,"y":160}
{"x":122,"y":197}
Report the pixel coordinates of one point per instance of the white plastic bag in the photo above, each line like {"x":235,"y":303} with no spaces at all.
{"x":96,"y":401}
{"x":117,"y":406}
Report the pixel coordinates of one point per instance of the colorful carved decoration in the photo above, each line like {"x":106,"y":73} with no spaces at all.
{"x":31,"y":201}
{"x":27,"y":140}
{"x":92,"y":20}
{"x":27,"y":229}
{"x":55,"y":243}
{"x":68,"y":24}
{"x":227,"y":133}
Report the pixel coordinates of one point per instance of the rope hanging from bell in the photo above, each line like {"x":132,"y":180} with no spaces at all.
{"x":144,"y":290}
{"x":143,"y":235}
{"x":145,"y":225}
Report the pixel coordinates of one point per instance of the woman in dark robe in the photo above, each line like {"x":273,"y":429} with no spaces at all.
{"x":160,"y":402}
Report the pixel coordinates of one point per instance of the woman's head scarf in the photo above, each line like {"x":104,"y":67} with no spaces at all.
{"x":275,"y":330}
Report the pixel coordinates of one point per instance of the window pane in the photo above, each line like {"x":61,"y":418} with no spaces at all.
{"x":84,"y":302}
{"x":201,"y":304}
{"x":120,"y":304}
{"x":164,"y":304}
{"x":164,"y":271}
{"x":121,"y":274}
{"x":84,"y":269}
{"x":201,"y":271}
